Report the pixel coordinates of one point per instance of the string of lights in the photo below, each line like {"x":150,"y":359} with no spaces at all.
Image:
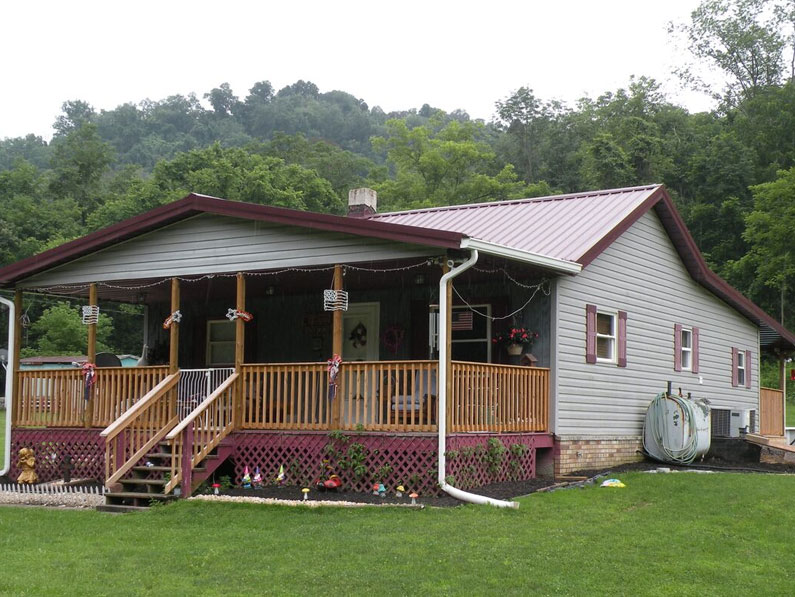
{"x":543,"y":286}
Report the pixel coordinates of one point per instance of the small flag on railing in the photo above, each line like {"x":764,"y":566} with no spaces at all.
{"x":462,"y":321}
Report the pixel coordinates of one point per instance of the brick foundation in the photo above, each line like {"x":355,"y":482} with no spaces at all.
{"x":574,"y":453}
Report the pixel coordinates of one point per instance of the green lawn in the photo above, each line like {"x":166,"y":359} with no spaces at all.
{"x":678,"y":534}
{"x":790,"y":419}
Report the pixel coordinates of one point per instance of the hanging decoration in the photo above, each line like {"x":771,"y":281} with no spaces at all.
{"x":392,"y":338}
{"x":232,"y":314}
{"x":90,"y":314}
{"x":333,"y":370}
{"x":335,"y":300}
{"x":358,"y":336}
{"x":89,"y":371}
{"x":175,"y":317}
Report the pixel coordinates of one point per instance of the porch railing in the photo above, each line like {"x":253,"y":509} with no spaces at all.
{"x":488,"y":397}
{"x":130,"y":437}
{"x":200,"y":432}
{"x":56,"y":397}
{"x":196,"y":384}
{"x":394,"y":396}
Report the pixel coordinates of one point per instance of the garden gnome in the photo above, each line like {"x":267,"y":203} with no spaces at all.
{"x":66,"y":468}
{"x":27,"y":466}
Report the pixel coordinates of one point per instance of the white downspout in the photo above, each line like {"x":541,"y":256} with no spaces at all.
{"x":442,"y":390}
{"x":10,"y":369}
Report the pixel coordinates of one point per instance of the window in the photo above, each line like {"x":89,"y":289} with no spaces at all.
{"x":606,"y":336}
{"x":685,"y":348}
{"x":741,"y":367}
{"x":220,"y":343}
{"x":470,"y":333}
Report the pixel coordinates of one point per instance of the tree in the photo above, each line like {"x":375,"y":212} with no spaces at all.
{"x":79,"y":161}
{"x":742,"y":38}
{"x":76,"y":113}
{"x":442,"y":164}
{"x":60,"y":331}
{"x":223,"y":100}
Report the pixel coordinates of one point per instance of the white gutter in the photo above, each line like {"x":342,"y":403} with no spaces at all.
{"x":561,"y":265}
{"x":10,"y":368}
{"x":442,"y":391}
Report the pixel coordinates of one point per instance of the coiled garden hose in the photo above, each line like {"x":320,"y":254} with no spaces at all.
{"x":656,"y":422}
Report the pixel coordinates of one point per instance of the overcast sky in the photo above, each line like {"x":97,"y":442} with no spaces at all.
{"x":397,"y":55}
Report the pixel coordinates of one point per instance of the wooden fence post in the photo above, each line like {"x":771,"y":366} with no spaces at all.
{"x":91,"y":357}
{"x":187,"y":457}
{"x":240,"y":343}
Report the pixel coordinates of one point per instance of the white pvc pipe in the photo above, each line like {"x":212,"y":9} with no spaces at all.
{"x":459,"y":494}
{"x":11,"y":367}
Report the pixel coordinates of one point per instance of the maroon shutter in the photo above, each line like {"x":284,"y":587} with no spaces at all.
{"x":695,"y":350}
{"x":747,"y":368}
{"x":590,"y":333}
{"x":622,"y":338}
{"x":734,"y":367}
{"x":677,"y":347}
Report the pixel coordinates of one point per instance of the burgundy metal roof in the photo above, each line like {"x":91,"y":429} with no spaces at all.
{"x":564,"y":226}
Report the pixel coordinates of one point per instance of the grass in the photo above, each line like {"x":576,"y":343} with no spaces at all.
{"x":682,"y":534}
{"x":790,"y":418}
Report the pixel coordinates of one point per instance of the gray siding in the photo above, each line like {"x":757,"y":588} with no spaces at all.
{"x":641,"y":273}
{"x":214,"y":244}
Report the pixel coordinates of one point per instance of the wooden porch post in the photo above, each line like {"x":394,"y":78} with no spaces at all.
{"x":91,"y":356}
{"x":240,"y":343}
{"x":336,"y":348}
{"x":448,"y":340}
{"x":173,"y":339}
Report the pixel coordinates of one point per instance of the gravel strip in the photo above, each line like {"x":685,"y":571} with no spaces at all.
{"x":71,"y":500}
{"x":306,"y":503}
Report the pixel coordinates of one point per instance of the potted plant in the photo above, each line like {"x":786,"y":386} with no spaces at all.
{"x":516,"y":340}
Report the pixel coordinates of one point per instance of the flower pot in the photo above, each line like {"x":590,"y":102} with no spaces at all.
{"x":514,"y":349}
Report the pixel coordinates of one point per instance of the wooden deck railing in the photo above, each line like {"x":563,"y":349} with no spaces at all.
{"x":488,"y":397}
{"x":200,"y":432}
{"x":395,"y":396}
{"x":56,"y":397}
{"x":137,"y":431}
{"x":771,"y":411}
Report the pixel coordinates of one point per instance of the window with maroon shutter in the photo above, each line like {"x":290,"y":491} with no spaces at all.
{"x":695,"y":350}
{"x":677,"y":347}
{"x":735,"y":359}
{"x":747,"y":368}
{"x":622,"y":338}
{"x":590,"y":333}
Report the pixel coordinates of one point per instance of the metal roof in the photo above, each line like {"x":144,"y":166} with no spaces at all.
{"x":564,"y":227}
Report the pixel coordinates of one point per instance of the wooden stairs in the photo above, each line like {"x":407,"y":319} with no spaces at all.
{"x":144,"y":484}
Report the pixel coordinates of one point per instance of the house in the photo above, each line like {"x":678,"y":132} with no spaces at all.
{"x":247,"y":303}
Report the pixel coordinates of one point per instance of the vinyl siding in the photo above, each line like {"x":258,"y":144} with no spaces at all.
{"x":641,"y":273}
{"x":210,"y":243}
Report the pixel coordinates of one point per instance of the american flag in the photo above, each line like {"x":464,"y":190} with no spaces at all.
{"x":462,"y":321}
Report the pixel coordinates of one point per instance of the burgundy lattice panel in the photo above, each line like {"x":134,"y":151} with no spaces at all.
{"x":476,"y":460}
{"x":85,"y":446}
{"x":391,"y":459}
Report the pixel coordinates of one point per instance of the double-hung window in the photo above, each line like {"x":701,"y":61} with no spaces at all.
{"x":741,"y":367}
{"x":605,"y":336}
{"x":686,"y":348}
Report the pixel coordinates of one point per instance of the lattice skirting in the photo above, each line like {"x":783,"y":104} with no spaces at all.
{"x":362,"y":459}
{"x":50,"y":446}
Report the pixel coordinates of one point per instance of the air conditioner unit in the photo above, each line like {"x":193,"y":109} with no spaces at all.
{"x":739,"y":422}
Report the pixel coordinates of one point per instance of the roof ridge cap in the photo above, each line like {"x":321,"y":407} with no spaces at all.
{"x":578,"y":195}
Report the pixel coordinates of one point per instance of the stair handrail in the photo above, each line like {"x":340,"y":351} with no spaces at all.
{"x":131,"y":413}
{"x":186,"y":454}
{"x":117,"y":463}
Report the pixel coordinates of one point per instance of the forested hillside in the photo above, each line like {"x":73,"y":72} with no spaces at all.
{"x":730,"y":171}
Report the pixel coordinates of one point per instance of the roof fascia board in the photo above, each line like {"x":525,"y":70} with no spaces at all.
{"x":560,"y":265}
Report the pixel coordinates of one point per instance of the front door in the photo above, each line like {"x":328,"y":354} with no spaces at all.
{"x":360,"y":334}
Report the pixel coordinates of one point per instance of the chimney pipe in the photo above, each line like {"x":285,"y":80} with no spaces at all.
{"x":362,"y":202}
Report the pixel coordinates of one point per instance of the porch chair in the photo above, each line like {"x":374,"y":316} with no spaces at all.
{"x":424,"y":390}
{"x":107,"y":359}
